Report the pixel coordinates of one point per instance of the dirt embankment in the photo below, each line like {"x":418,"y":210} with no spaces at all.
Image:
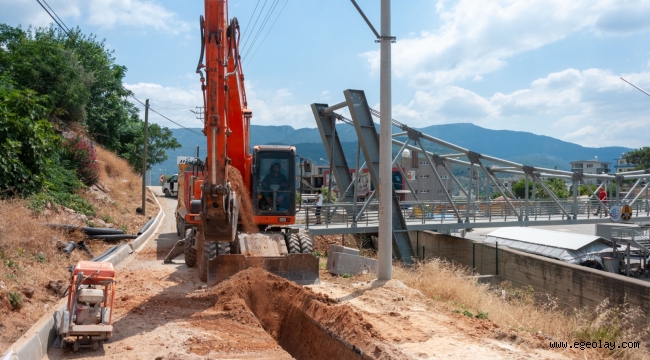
{"x":30,"y":258}
{"x":305,"y":324}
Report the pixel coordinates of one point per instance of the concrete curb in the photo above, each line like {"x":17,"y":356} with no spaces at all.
{"x":33,"y":345}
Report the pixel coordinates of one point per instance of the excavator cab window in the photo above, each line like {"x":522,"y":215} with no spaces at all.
{"x":274,"y":182}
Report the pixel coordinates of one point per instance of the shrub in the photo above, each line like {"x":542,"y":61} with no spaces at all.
{"x":15,"y":300}
{"x":81,"y":155}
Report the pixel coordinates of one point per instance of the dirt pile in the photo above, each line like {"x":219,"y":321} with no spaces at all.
{"x":245,"y":204}
{"x":304,"y":324}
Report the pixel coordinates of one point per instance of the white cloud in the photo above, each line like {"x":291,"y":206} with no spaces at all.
{"x":174,"y":103}
{"x":478,"y":37}
{"x":100,"y":13}
{"x":592,"y":107}
{"x":270,"y":107}
{"x":109,"y":13}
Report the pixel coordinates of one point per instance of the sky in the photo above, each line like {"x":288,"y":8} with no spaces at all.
{"x":549,"y":67}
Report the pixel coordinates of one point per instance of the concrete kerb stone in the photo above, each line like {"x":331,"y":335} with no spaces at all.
{"x":34,"y":343}
{"x":343,"y":260}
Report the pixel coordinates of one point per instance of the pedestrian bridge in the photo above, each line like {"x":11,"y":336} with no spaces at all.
{"x":540,"y":205}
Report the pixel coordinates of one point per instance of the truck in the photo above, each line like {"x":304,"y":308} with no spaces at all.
{"x":212,"y":193}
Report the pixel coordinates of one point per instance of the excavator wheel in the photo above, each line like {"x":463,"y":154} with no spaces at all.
{"x":293,"y":243}
{"x":188,"y":248}
{"x":306,"y":243}
{"x":210,"y":251}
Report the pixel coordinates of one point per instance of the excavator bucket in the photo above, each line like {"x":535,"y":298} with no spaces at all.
{"x":269,"y":252}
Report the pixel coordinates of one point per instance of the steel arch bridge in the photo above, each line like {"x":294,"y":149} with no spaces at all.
{"x":351,"y":216}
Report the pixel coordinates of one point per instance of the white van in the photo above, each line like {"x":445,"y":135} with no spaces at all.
{"x":170,"y":186}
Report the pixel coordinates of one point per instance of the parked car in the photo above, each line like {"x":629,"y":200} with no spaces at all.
{"x":170,"y":186}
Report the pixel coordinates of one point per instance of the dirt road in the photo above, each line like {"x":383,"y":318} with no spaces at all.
{"x":163,"y":312}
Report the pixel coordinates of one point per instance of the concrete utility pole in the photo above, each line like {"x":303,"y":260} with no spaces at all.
{"x":144,"y":159}
{"x":385,"y":246}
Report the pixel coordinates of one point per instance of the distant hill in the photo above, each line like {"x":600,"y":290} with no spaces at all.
{"x":518,"y":146}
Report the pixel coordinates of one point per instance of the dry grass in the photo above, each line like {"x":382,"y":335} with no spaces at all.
{"x":452,"y":287}
{"x":29,"y":258}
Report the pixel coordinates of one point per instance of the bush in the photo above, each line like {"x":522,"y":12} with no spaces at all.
{"x":15,"y":300}
{"x":81,"y":155}
{"x":60,"y":189}
{"x":27,"y":140}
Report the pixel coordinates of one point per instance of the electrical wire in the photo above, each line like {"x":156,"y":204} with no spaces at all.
{"x":267,"y":33}
{"x":261,"y":28}
{"x":256,"y":19}
{"x":165,"y":117}
{"x":249,"y":20}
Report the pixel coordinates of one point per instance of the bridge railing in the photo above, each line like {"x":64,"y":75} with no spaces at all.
{"x":432,"y":212}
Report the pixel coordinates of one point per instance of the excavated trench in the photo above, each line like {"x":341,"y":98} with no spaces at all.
{"x":304,"y":324}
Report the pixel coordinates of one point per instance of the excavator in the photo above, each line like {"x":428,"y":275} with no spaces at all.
{"x":213,"y":196}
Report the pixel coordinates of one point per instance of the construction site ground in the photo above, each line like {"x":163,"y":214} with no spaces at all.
{"x":163,"y":311}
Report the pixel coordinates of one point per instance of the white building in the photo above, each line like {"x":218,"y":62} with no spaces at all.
{"x":590,"y":167}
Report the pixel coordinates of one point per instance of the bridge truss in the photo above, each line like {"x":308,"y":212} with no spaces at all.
{"x":352,"y":216}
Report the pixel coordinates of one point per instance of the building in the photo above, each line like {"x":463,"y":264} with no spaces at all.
{"x":590,"y":167}
{"x":622,"y":165}
{"x":420,"y":175}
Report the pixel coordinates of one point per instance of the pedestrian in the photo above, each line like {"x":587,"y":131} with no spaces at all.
{"x":602,"y":196}
{"x":319,"y":205}
{"x":162,"y":179}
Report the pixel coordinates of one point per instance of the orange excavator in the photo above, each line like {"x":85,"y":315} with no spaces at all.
{"x":213,"y":195}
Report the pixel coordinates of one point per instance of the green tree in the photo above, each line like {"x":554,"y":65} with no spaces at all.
{"x":557,"y":186}
{"x":640,"y":157}
{"x":160,"y":139}
{"x":27,"y":140}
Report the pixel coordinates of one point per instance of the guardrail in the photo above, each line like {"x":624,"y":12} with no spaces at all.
{"x":441,"y":212}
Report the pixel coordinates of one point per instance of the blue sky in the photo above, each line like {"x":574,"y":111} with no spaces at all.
{"x":547,"y":67}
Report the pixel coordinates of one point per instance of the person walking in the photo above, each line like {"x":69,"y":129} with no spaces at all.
{"x":319,"y":205}
{"x":162,"y":179}
{"x":602,"y":195}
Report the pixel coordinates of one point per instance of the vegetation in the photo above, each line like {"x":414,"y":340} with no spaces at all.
{"x":641,"y":157}
{"x":52,"y":83}
{"x":557,"y":187}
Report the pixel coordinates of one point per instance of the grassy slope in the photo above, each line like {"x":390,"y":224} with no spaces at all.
{"x":29,"y":258}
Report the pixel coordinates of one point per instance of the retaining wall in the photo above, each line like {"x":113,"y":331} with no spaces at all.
{"x":574,"y":285}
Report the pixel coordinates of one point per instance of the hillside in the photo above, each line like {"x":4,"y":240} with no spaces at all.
{"x":522,"y":147}
{"x":29,"y":256}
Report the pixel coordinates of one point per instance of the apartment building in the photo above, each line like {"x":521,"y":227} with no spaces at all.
{"x":421,"y":177}
{"x":591,"y":167}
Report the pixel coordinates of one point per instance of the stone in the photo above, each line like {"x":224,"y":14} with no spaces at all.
{"x":341,"y":263}
{"x":29,"y":292}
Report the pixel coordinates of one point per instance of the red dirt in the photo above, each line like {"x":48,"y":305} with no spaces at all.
{"x":305,"y":324}
{"x":245,"y":203}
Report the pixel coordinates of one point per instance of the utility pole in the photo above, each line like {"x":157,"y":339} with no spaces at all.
{"x":385,"y":245}
{"x":144,"y":159}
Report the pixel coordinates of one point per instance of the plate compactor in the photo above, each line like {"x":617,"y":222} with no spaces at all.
{"x":87,"y":319}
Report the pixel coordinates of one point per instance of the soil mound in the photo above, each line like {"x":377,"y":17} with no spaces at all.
{"x":245,"y":203}
{"x":305,"y":324}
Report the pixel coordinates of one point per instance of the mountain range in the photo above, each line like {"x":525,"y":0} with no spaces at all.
{"x":518,"y":146}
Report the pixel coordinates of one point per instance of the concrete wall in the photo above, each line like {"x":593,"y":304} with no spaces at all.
{"x":574,"y":285}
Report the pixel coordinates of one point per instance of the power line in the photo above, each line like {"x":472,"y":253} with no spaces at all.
{"x":256,"y":19}
{"x":249,"y":20}
{"x":261,"y":28}
{"x":165,"y":117}
{"x":267,"y":33}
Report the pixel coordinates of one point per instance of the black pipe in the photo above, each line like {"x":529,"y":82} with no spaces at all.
{"x":69,"y":248}
{"x":88,"y":230}
{"x":82,"y":245}
{"x":146,"y":226}
{"x":114,"y":237}
{"x":108,"y":252}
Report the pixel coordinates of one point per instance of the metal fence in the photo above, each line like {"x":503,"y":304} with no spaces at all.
{"x":432,"y":212}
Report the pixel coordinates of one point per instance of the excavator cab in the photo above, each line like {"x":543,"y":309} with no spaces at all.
{"x":273,"y":183}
